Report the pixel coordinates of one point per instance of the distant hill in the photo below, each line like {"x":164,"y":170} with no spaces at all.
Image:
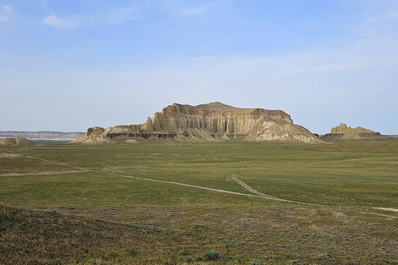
{"x":344,"y":132}
{"x":207,"y":122}
{"x":42,"y":135}
{"x":15,"y":141}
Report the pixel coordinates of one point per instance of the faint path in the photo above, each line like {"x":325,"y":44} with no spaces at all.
{"x":188,"y":185}
{"x":259,"y":194}
{"x":268,"y":197}
{"x":42,"y":173}
{"x":386,"y":209}
{"x":256,"y":194}
{"x":79,"y":169}
{"x":57,"y":163}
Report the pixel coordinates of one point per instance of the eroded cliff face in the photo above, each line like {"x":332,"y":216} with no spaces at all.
{"x":94,"y":135}
{"x":212,"y":122}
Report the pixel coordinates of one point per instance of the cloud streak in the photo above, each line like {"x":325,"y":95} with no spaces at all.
{"x":192,"y":11}
{"x":6,"y":12}
{"x":112,"y":17}
{"x":139,"y":11}
{"x":54,"y":21}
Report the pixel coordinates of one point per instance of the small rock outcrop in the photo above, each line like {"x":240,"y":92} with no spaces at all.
{"x":344,"y":132}
{"x":94,"y":135}
{"x":208,"y":122}
{"x":15,"y":141}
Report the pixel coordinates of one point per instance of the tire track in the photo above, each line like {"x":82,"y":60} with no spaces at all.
{"x":259,"y":194}
{"x":53,"y":162}
{"x":43,"y":173}
{"x":58,"y":163}
{"x":255,"y":193}
{"x":187,"y":185}
{"x":269,"y":197}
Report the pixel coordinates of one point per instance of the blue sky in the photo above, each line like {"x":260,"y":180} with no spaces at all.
{"x":69,"y":65}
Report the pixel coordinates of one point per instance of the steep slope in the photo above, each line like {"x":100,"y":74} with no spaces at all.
{"x":94,"y":135}
{"x":208,"y":122}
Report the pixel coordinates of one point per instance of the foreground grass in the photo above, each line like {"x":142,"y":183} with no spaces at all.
{"x":346,"y":173}
{"x":89,"y":214}
{"x":178,"y":235}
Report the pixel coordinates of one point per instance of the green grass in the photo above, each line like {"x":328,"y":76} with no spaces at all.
{"x":92,"y":190}
{"x":347,"y":178}
{"x":343,"y":173}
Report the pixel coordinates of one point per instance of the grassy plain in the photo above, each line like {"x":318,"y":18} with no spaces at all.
{"x":71,"y":190}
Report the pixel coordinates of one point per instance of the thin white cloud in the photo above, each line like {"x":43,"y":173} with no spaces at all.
{"x":196,"y":10}
{"x":119,"y":16}
{"x":381,"y":22}
{"x":112,"y":17}
{"x":53,"y":20}
{"x":6,"y":12}
{"x":205,"y":59}
{"x":393,"y":15}
{"x":192,"y":11}
{"x":139,"y":11}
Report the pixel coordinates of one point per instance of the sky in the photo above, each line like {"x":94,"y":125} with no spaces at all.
{"x":70,"y":65}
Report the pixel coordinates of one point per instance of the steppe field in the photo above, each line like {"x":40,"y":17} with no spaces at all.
{"x":199,"y":203}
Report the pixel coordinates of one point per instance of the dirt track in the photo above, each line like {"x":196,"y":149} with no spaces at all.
{"x":188,"y":185}
{"x":255,"y":194}
{"x":268,"y":197}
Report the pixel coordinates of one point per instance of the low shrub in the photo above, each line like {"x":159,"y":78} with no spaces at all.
{"x":211,"y":255}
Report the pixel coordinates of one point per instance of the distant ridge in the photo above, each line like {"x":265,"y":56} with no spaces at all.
{"x":42,"y":135}
{"x":207,"y":122}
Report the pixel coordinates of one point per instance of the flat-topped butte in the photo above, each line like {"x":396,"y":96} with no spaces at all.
{"x":207,"y":122}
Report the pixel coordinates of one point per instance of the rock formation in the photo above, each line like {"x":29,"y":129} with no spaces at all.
{"x":15,"y":141}
{"x":344,"y":132}
{"x":94,"y":135}
{"x":209,"y":122}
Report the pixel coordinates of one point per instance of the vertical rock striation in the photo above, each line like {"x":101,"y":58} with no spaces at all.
{"x":212,"y":122}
